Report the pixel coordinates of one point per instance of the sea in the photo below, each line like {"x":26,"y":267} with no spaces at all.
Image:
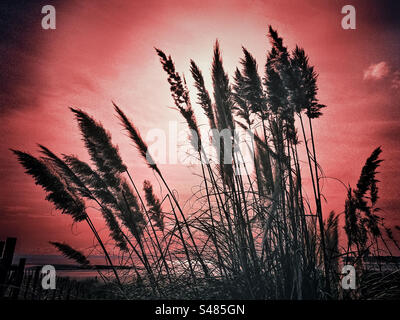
{"x":65,"y":268}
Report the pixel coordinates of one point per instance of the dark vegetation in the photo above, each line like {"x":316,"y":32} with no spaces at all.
{"x":256,"y":235}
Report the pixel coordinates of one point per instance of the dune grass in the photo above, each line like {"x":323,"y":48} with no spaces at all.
{"x":256,"y":235}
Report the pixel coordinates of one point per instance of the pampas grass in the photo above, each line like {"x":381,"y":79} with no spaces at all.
{"x":252,"y":235}
{"x":154,"y":205}
{"x":71,"y":253}
{"x":57,"y":193}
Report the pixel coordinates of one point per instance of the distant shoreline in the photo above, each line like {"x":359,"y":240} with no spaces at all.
{"x":71,"y":267}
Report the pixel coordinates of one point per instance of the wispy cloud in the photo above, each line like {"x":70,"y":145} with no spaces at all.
{"x":377,"y":71}
{"x":396,"y":80}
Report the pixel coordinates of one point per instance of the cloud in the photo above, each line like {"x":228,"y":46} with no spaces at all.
{"x":396,"y":80}
{"x":376,"y":71}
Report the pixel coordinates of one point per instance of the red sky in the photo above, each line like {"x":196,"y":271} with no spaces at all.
{"x":104,"y":50}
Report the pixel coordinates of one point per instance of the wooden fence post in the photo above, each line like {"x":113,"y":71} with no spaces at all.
{"x":28,"y":280}
{"x":19,"y":276}
{"x":70,"y":285}
{"x":5,"y":263}
{"x":1,"y":248}
{"x":35,"y":282}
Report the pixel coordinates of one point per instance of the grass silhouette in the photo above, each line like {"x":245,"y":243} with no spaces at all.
{"x":256,"y":235}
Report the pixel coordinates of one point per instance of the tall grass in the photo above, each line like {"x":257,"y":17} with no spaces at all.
{"x":256,"y":235}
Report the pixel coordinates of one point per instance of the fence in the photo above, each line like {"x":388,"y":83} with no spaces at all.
{"x":19,"y":282}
